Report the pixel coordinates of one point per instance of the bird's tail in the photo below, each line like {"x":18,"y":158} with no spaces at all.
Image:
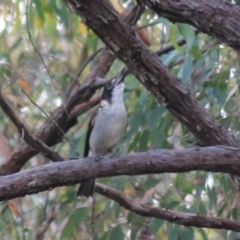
{"x":86,"y":188}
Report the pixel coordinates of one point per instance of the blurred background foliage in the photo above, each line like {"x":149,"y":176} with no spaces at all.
{"x":45,"y":34}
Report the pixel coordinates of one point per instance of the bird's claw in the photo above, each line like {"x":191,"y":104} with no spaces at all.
{"x":116,"y":154}
{"x":97,"y":158}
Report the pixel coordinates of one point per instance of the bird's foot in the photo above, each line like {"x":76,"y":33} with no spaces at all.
{"x":97,"y":158}
{"x":115,"y":154}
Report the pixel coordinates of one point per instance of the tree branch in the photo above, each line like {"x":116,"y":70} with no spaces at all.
{"x":83,"y":107}
{"x":217,"y":18}
{"x":215,"y":159}
{"x":186,"y":219}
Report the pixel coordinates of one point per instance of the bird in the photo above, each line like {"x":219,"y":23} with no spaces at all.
{"x":106,"y":127}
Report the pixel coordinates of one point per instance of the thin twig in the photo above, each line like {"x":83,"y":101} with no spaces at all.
{"x":25,"y":135}
{"x":14,"y":224}
{"x":49,"y":217}
{"x":45,"y":66}
{"x":93,"y":215}
{"x":169,"y":47}
{"x":35,"y":48}
{"x":87,"y":61}
{"x":140,"y":7}
{"x":35,"y":104}
{"x":82,"y":67}
{"x":22,"y":218}
{"x":148,"y":25}
{"x":181,"y":59}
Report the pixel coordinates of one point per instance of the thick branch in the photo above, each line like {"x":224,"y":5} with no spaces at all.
{"x":122,"y":39}
{"x":186,"y":219}
{"x":215,"y":17}
{"x":48,"y":176}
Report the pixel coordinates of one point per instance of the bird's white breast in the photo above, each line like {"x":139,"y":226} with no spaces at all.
{"x":109,"y":127}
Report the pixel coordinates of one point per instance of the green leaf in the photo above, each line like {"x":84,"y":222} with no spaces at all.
{"x":77,"y":216}
{"x":39,"y":8}
{"x":131,"y":83}
{"x":196,"y":53}
{"x":173,"y":231}
{"x":151,"y":182}
{"x":104,"y":236}
{"x":116,"y":233}
{"x":188,"y":34}
{"x":202,"y":233}
{"x":143,"y":144}
{"x":133,"y":234}
{"x":155,"y":225}
{"x":186,"y":69}
{"x":95,"y":237}
{"x":134,"y":142}
{"x":15,"y":44}
{"x":187,"y":234}
{"x":46,"y":83}
{"x":174,"y":37}
{"x":174,"y":139}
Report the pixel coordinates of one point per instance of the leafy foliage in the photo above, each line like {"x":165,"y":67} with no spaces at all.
{"x":44,"y":33}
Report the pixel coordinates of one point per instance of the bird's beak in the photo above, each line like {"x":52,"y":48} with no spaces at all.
{"x":120,"y":77}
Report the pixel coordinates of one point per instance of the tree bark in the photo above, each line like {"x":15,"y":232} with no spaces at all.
{"x":214,"y":159}
{"x":217,"y":18}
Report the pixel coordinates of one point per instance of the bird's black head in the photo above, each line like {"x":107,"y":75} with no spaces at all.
{"x":114,"y":86}
{"x":107,"y":92}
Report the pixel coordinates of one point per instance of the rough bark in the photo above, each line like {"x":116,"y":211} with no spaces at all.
{"x":100,"y":16}
{"x":48,"y":176}
{"x":217,"y":18}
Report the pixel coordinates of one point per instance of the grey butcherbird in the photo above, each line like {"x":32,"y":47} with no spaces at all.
{"x":106,"y":127}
